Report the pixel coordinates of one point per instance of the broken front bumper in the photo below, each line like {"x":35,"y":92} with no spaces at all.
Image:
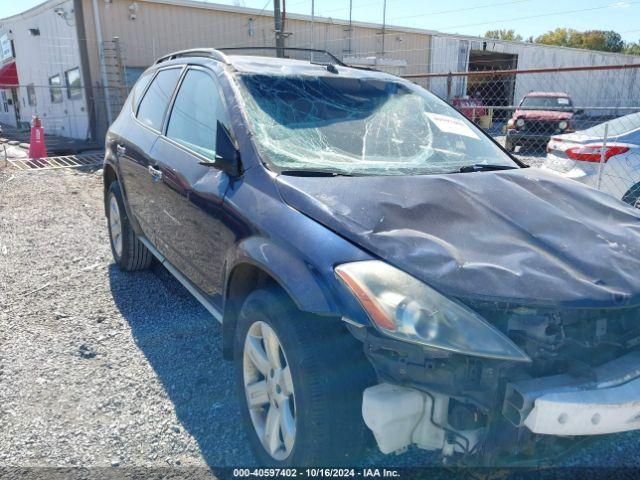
{"x":559,"y":405}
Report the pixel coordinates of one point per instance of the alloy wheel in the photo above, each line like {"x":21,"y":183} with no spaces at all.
{"x":115,"y":225}
{"x":269,"y":390}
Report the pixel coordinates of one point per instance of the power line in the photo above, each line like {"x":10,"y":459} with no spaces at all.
{"x":529,"y":17}
{"x":457,"y":10}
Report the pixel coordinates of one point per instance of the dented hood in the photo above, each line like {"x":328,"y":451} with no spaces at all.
{"x":520,"y":236}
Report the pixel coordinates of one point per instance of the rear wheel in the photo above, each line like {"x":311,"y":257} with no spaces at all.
{"x":129,"y":253}
{"x":300,"y":380}
{"x":632,"y":197}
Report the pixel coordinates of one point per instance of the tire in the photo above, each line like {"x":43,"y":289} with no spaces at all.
{"x":632,"y":197}
{"x":129,"y":253}
{"x":328,"y":373}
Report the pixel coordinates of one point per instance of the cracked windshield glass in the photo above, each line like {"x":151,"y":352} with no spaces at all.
{"x":355,"y":126}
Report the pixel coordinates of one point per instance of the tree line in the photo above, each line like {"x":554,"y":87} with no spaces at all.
{"x":601,"y":40}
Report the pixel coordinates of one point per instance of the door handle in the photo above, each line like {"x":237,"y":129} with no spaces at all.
{"x":156,"y":173}
{"x":120,"y":151}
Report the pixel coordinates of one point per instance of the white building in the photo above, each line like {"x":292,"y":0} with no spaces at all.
{"x":45,"y":52}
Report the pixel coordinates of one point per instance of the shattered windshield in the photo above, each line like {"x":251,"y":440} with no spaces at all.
{"x":360,"y":126}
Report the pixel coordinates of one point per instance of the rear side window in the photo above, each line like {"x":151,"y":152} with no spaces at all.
{"x":196,"y":110}
{"x":155,"y":101}
{"x":138,"y":89}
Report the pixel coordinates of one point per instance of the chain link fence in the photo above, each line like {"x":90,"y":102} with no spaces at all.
{"x":581,"y":122}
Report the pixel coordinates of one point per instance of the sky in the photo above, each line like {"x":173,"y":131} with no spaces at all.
{"x":469,"y":17}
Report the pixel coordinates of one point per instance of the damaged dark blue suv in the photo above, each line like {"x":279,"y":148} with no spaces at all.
{"x":376,"y":261}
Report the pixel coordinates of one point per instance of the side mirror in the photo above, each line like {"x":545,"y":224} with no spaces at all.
{"x":227,"y":155}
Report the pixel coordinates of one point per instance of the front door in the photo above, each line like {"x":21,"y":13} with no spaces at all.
{"x":193,"y":232}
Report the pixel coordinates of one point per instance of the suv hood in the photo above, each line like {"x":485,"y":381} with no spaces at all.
{"x":542,"y":115}
{"x":520,"y":236}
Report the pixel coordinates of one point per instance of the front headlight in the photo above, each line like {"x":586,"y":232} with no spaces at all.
{"x":520,"y":122}
{"x":563,"y":125}
{"x":405,"y":308}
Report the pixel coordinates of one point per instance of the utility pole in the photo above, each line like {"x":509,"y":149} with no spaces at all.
{"x":313,"y":22}
{"x":277,"y":17}
{"x":350,"y":24}
{"x":384,"y":23}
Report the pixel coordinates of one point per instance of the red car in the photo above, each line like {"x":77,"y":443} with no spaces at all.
{"x":539,"y":116}
{"x":470,"y":107}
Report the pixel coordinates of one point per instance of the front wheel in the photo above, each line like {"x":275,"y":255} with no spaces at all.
{"x":300,"y":380}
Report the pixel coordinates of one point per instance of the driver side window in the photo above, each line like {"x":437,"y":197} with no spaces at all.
{"x":196,"y":110}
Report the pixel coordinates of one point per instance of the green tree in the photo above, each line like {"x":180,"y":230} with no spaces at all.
{"x":604,"y":41}
{"x":563,"y":37}
{"x":510,"y":35}
{"x":632,"y":48}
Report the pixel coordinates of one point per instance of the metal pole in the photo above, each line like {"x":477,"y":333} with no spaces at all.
{"x":87,"y":84}
{"x":384,"y":23}
{"x":277,"y":18}
{"x":449,"y":85}
{"x":103,"y":65}
{"x":603,"y":156}
{"x":313,"y":21}
{"x":350,"y":24}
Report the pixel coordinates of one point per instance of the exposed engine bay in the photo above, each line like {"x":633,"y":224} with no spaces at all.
{"x":583,"y":379}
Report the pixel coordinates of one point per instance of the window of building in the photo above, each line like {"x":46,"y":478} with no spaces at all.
{"x":73,"y":83}
{"x":31,"y":95}
{"x":55,"y":89}
{"x":155,"y":101}
{"x":196,"y":110}
{"x":5,"y":103}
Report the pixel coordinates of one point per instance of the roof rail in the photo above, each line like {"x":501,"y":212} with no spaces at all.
{"x":195,"y":52}
{"x":335,"y":59}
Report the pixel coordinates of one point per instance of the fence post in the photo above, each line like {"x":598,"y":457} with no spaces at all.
{"x":603,"y":155}
{"x":449,"y":86}
{"x":122,"y":73}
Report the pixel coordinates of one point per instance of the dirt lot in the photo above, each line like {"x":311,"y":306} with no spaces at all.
{"x":101,"y":368}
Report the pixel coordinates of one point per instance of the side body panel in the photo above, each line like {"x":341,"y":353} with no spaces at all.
{"x":193,"y":230}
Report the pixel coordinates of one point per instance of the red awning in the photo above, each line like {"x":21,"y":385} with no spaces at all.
{"x":9,"y":75}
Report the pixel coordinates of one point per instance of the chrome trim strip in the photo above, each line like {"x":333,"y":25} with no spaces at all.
{"x":352,"y":322}
{"x":217,"y":314}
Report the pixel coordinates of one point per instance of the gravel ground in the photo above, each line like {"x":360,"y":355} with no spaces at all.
{"x":100,"y":368}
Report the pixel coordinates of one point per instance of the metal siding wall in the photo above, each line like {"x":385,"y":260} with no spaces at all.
{"x":448,"y":55}
{"x":162,"y":28}
{"x":613,"y":88}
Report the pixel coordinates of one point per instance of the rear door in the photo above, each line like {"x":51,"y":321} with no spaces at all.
{"x":134,"y":147}
{"x":193,"y":233}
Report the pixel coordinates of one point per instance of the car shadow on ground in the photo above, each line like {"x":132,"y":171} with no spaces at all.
{"x":183,"y":344}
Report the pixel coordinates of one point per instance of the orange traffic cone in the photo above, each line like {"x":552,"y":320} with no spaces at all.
{"x":37,"y":148}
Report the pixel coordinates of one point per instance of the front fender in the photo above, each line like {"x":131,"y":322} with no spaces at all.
{"x":302,"y":282}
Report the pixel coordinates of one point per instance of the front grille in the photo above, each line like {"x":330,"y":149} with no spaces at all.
{"x":541,"y":127}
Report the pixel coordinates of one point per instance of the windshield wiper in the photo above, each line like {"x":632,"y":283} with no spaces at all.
{"x":313,"y":173}
{"x":484,"y":167}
